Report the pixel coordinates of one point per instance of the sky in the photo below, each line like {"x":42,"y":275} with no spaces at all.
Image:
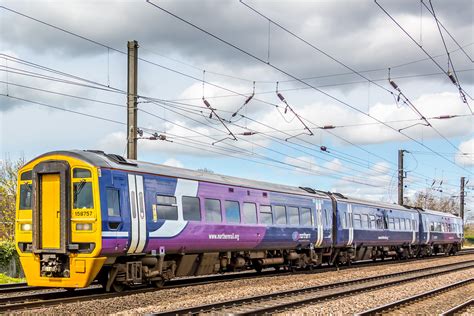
{"x":63,"y":81}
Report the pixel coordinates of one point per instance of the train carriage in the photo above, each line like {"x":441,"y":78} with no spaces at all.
{"x":86,"y":215}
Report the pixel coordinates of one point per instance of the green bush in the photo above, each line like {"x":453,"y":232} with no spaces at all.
{"x":9,"y":260}
{"x":7,"y":252}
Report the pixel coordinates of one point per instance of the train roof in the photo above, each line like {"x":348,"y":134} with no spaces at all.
{"x":378,"y":204}
{"x":438,"y":213}
{"x":103,"y":160}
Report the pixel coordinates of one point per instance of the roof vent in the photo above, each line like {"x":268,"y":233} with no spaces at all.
{"x":114,"y":157}
{"x":119,"y":159}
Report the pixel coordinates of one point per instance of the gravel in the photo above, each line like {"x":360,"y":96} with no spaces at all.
{"x":170,"y":299}
{"x":439,"y":303}
{"x":364,"y":301}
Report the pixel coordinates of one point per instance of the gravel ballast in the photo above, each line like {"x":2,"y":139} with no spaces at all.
{"x":365,"y":301}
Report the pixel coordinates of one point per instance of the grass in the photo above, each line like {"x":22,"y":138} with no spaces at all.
{"x":6,"y":279}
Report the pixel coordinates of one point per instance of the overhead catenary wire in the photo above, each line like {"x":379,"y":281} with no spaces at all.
{"x":294,"y":77}
{"x":462,"y":91}
{"x":124,"y":92}
{"x":299,"y":168}
{"x":446,"y":30}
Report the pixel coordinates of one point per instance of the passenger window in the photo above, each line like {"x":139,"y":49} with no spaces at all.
{"x":213,"y":210}
{"x":408,"y":224}
{"x":25,"y":196}
{"x":357,"y":221}
{"x":250,"y":213}
{"x":232,"y":212}
{"x":293,"y":216}
{"x":379,"y":221}
{"x":305,"y":216}
{"x":82,"y":195}
{"x":343,"y":218}
{"x":191,"y":208}
{"x":79,"y":173}
{"x":266,"y":216}
{"x":391,"y":224}
{"x":166,"y":207}
{"x":372,"y":223}
{"x":365,"y":221}
{"x":113,"y":202}
{"x":280,"y":214}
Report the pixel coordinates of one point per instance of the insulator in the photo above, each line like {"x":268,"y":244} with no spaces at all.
{"x":450,"y":75}
{"x":323,"y":148}
{"x":393,"y":84}
{"x":248,"y":99}
{"x":248,"y":133}
{"x":329,"y":127}
{"x":206,"y":103}
{"x":282,"y":98}
{"x":210,"y":115}
{"x":286,"y":109}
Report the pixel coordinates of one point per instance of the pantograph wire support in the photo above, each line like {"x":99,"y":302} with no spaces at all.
{"x":213,"y":112}
{"x":246,"y":101}
{"x":288,"y":107}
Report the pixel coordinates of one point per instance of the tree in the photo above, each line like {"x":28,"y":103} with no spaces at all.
{"x":8,"y":189}
{"x":427,"y":200}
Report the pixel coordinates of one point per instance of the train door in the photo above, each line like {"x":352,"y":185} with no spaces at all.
{"x":428,"y":231}
{"x":350,"y":225}
{"x":138,"y":232}
{"x":51,"y":207}
{"x":319,"y":223}
{"x":413,"y":229}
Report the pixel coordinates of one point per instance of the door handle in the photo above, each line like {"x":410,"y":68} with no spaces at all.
{"x":57,"y":214}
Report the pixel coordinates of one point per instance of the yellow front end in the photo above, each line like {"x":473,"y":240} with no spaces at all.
{"x":58,"y":222}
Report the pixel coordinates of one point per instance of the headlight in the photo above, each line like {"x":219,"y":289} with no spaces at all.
{"x":83,"y":226}
{"x":25,"y":227}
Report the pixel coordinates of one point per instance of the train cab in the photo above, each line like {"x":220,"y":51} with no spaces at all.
{"x":58,"y":231}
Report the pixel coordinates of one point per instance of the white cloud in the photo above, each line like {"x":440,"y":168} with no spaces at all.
{"x":381,"y":184}
{"x":172,"y":162}
{"x":465,"y":154}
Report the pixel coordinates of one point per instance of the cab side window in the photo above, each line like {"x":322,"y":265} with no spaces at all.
{"x":113,"y":202}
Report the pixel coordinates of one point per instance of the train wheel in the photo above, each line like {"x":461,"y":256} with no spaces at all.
{"x":159,"y":283}
{"x":117,"y":287}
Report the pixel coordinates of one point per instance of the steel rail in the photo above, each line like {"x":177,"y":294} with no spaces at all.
{"x":413,"y":299}
{"x":459,"y":309}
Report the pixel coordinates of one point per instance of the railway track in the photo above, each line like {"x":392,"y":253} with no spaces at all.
{"x":287,"y":300}
{"x":18,"y":287}
{"x":412,"y":304}
{"x":465,"y":307}
{"x":60,"y":296}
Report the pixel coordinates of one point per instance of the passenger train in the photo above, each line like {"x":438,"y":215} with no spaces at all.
{"x":87,"y":215}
